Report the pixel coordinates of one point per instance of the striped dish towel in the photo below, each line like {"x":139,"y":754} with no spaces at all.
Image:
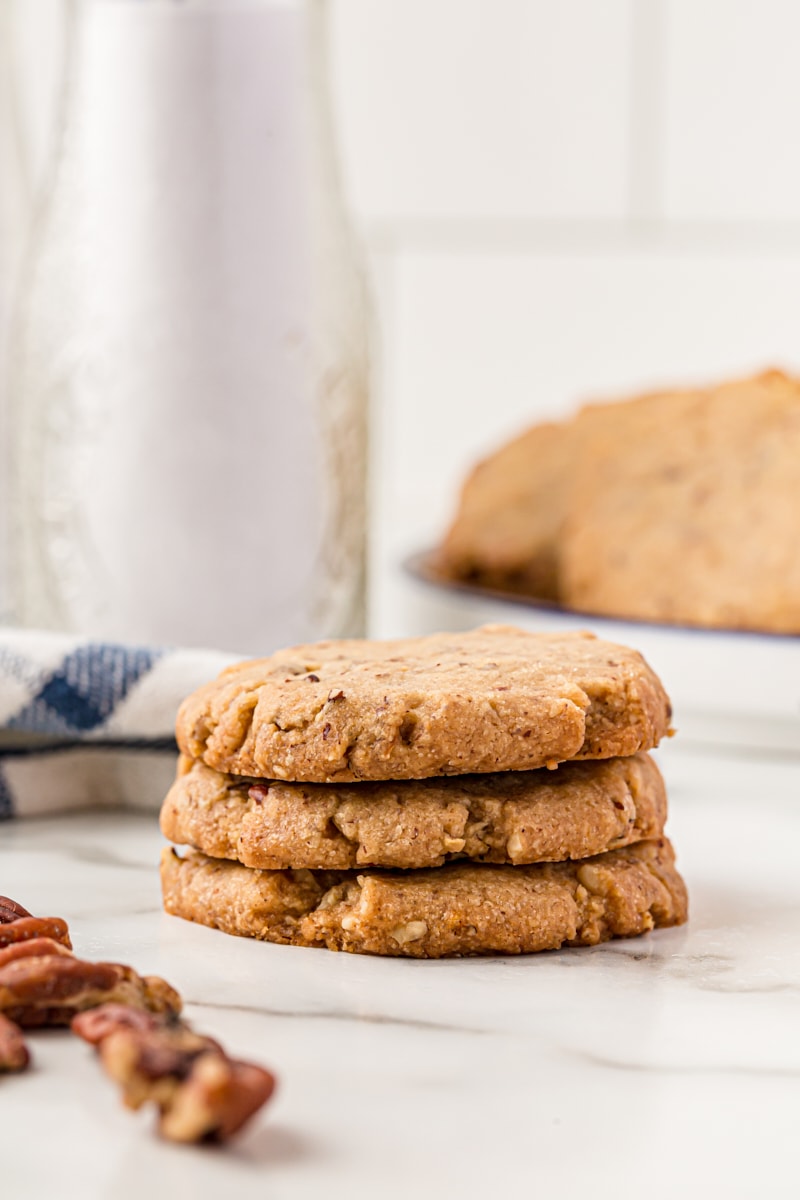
{"x":88,"y":724}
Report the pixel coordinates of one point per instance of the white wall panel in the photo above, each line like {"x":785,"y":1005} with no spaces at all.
{"x":732,"y":110}
{"x":475,"y":109}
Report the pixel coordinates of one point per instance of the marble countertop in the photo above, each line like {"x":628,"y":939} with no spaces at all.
{"x":663,"y":1066}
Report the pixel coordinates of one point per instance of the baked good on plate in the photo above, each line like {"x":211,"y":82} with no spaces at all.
{"x":678,"y":507}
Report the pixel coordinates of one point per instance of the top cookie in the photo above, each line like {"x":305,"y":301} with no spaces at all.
{"x":494,"y":699}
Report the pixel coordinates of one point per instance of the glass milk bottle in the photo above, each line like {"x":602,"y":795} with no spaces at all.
{"x":189,"y":393}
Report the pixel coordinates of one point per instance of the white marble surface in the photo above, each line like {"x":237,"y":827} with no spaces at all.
{"x":659,"y":1067}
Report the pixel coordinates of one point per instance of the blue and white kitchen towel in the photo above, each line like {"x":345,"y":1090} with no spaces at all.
{"x":90,"y":724}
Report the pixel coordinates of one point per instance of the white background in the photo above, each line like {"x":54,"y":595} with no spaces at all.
{"x":558,"y":200}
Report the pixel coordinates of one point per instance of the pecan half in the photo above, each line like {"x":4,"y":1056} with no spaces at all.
{"x":219,"y":1096}
{"x":38,"y":947}
{"x":97,"y":1023}
{"x":201,"y":1094}
{"x":10,"y":910}
{"x":21,"y":929}
{"x":48,"y":989}
{"x":13,"y":1051}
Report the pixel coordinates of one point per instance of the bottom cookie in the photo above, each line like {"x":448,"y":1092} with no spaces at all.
{"x":460,"y":909}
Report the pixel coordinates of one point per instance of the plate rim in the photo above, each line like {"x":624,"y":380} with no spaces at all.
{"x":420,"y":565}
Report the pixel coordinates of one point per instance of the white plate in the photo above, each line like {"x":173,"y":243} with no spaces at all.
{"x":727,"y":687}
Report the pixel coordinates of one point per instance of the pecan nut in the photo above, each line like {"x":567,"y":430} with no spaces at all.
{"x":201,"y":1094}
{"x":10,"y":910}
{"x":21,"y":929}
{"x":218,"y":1097}
{"x":13,"y":1051}
{"x":34,"y":948}
{"x":95,"y":1024}
{"x":49,"y":988}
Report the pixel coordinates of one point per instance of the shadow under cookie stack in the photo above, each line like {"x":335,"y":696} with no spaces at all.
{"x":479,"y":793}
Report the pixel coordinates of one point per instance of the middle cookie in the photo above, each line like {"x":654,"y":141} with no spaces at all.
{"x":518,"y":817}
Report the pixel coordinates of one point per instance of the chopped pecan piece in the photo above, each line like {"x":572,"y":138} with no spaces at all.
{"x":202,"y":1095}
{"x":13,"y":1051}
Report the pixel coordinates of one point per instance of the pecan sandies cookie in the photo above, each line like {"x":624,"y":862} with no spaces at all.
{"x":494,"y":699}
{"x":460,"y":909}
{"x":517,"y":817}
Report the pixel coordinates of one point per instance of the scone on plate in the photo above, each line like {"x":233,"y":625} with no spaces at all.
{"x":506,"y":531}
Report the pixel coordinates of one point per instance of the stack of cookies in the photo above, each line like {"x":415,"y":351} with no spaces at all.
{"x":458,"y":794}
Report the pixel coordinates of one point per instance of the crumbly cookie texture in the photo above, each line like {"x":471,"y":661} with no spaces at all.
{"x":518,"y":817}
{"x":685,"y":507}
{"x":460,"y":909}
{"x":494,"y":699}
{"x":505,"y":532}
